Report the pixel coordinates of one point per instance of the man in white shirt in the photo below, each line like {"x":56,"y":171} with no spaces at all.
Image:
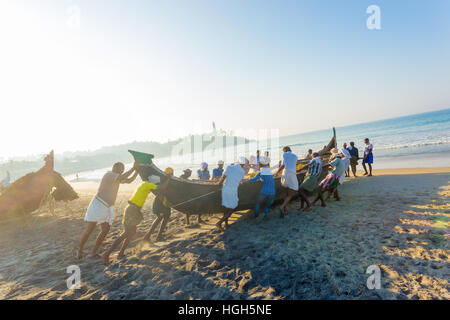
{"x":289,"y":178}
{"x":346,"y":158}
{"x":232,"y":176}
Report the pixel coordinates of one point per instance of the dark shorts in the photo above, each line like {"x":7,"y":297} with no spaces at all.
{"x":159,"y":209}
{"x":354,"y":161}
{"x":132,"y":216}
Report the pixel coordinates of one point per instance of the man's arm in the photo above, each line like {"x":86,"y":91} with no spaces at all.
{"x":221,"y":180}
{"x":280,"y":169}
{"x":130,"y":180}
{"x":124,"y":177}
{"x":255,"y":178}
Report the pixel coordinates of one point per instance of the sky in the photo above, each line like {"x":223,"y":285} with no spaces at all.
{"x":80,"y":74}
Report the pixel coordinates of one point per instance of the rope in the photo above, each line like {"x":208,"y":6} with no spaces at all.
{"x":195,"y":198}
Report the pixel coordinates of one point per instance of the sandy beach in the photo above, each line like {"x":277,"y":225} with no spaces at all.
{"x":383,"y":220}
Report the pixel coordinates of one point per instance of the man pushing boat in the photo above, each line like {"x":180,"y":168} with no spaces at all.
{"x":101,"y":208}
{"x":289,"y":178}
{"x":231,"y":180}
{"x":133,"y":216}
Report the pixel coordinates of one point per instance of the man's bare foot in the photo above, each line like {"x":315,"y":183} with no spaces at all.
{"x":120,"y":256}
{"x":282,"y":213}
{"x":308,"y":208}
{"x":159,"y":238}
{"x":80,"y":254}
{"x":370,"y":175}
{"x":219,"y":226}
{"x":106,"y":258}
{"x":324,"y":205}
{"x":227,"y":226}
{"x":365,"y":174}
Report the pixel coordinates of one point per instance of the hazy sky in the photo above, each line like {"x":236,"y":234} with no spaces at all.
{"x":157,"y":70}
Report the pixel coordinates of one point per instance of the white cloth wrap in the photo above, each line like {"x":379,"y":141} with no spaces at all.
{"x":289,"y":180}
{"x":99,"y":212}
{"x":230,"y":197}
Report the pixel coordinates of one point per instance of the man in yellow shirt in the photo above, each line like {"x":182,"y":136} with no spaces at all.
{"x":133,"y":216}
{"x":161,"y":209}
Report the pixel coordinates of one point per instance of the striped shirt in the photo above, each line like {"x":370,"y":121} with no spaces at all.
{"x":315,"y":167}
{"x":268,"y":187}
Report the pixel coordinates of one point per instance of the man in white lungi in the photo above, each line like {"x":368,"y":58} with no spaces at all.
{"x":288,"y":178}
{"x":346,"y":158}
{"x":101,"y":208}
{"x":232,"y":176}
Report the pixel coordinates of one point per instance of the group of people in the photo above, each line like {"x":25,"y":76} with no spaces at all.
{"x":101,"y":208}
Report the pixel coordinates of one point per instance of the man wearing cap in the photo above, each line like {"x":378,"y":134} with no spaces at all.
{"x":203,"y":172}
{"x":132,"y":216}
{"x":231,"y":180}
{"x":218,"y":172}
{"x":161,"y":208}
{"x":186,"y":174}
{"x":288,"y":178}
{"x":267,"y":194}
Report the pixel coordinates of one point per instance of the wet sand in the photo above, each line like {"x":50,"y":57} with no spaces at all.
{"x":385,"y":220}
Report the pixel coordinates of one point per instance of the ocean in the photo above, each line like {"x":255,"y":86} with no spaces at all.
{"x":415,"y":141}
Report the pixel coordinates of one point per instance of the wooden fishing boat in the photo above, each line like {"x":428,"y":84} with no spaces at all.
{"x":194,"y":196}
{"x":27,"y":193}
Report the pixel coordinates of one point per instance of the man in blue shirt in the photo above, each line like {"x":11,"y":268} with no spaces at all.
{"x":267,"y":193}
{"x":218,"y":172}
{"x":203,"y":172}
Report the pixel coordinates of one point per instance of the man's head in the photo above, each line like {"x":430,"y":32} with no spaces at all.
{"x":310,"y":151}
{"x":187,"y":173}
{"x":315,"y":154}
{"x":344,"y":145}
{"x":366,"y":140}
{"x":168,"y":171}
{"x":118,"y":167}
{"x":204,"y":166}
{"x":352,"y":143}
{"x":257,"y":153}
{"x":245,"y":164}
{"x":287,"y":149}
{"x":220,"y":164}
{"x":335,"y":153}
